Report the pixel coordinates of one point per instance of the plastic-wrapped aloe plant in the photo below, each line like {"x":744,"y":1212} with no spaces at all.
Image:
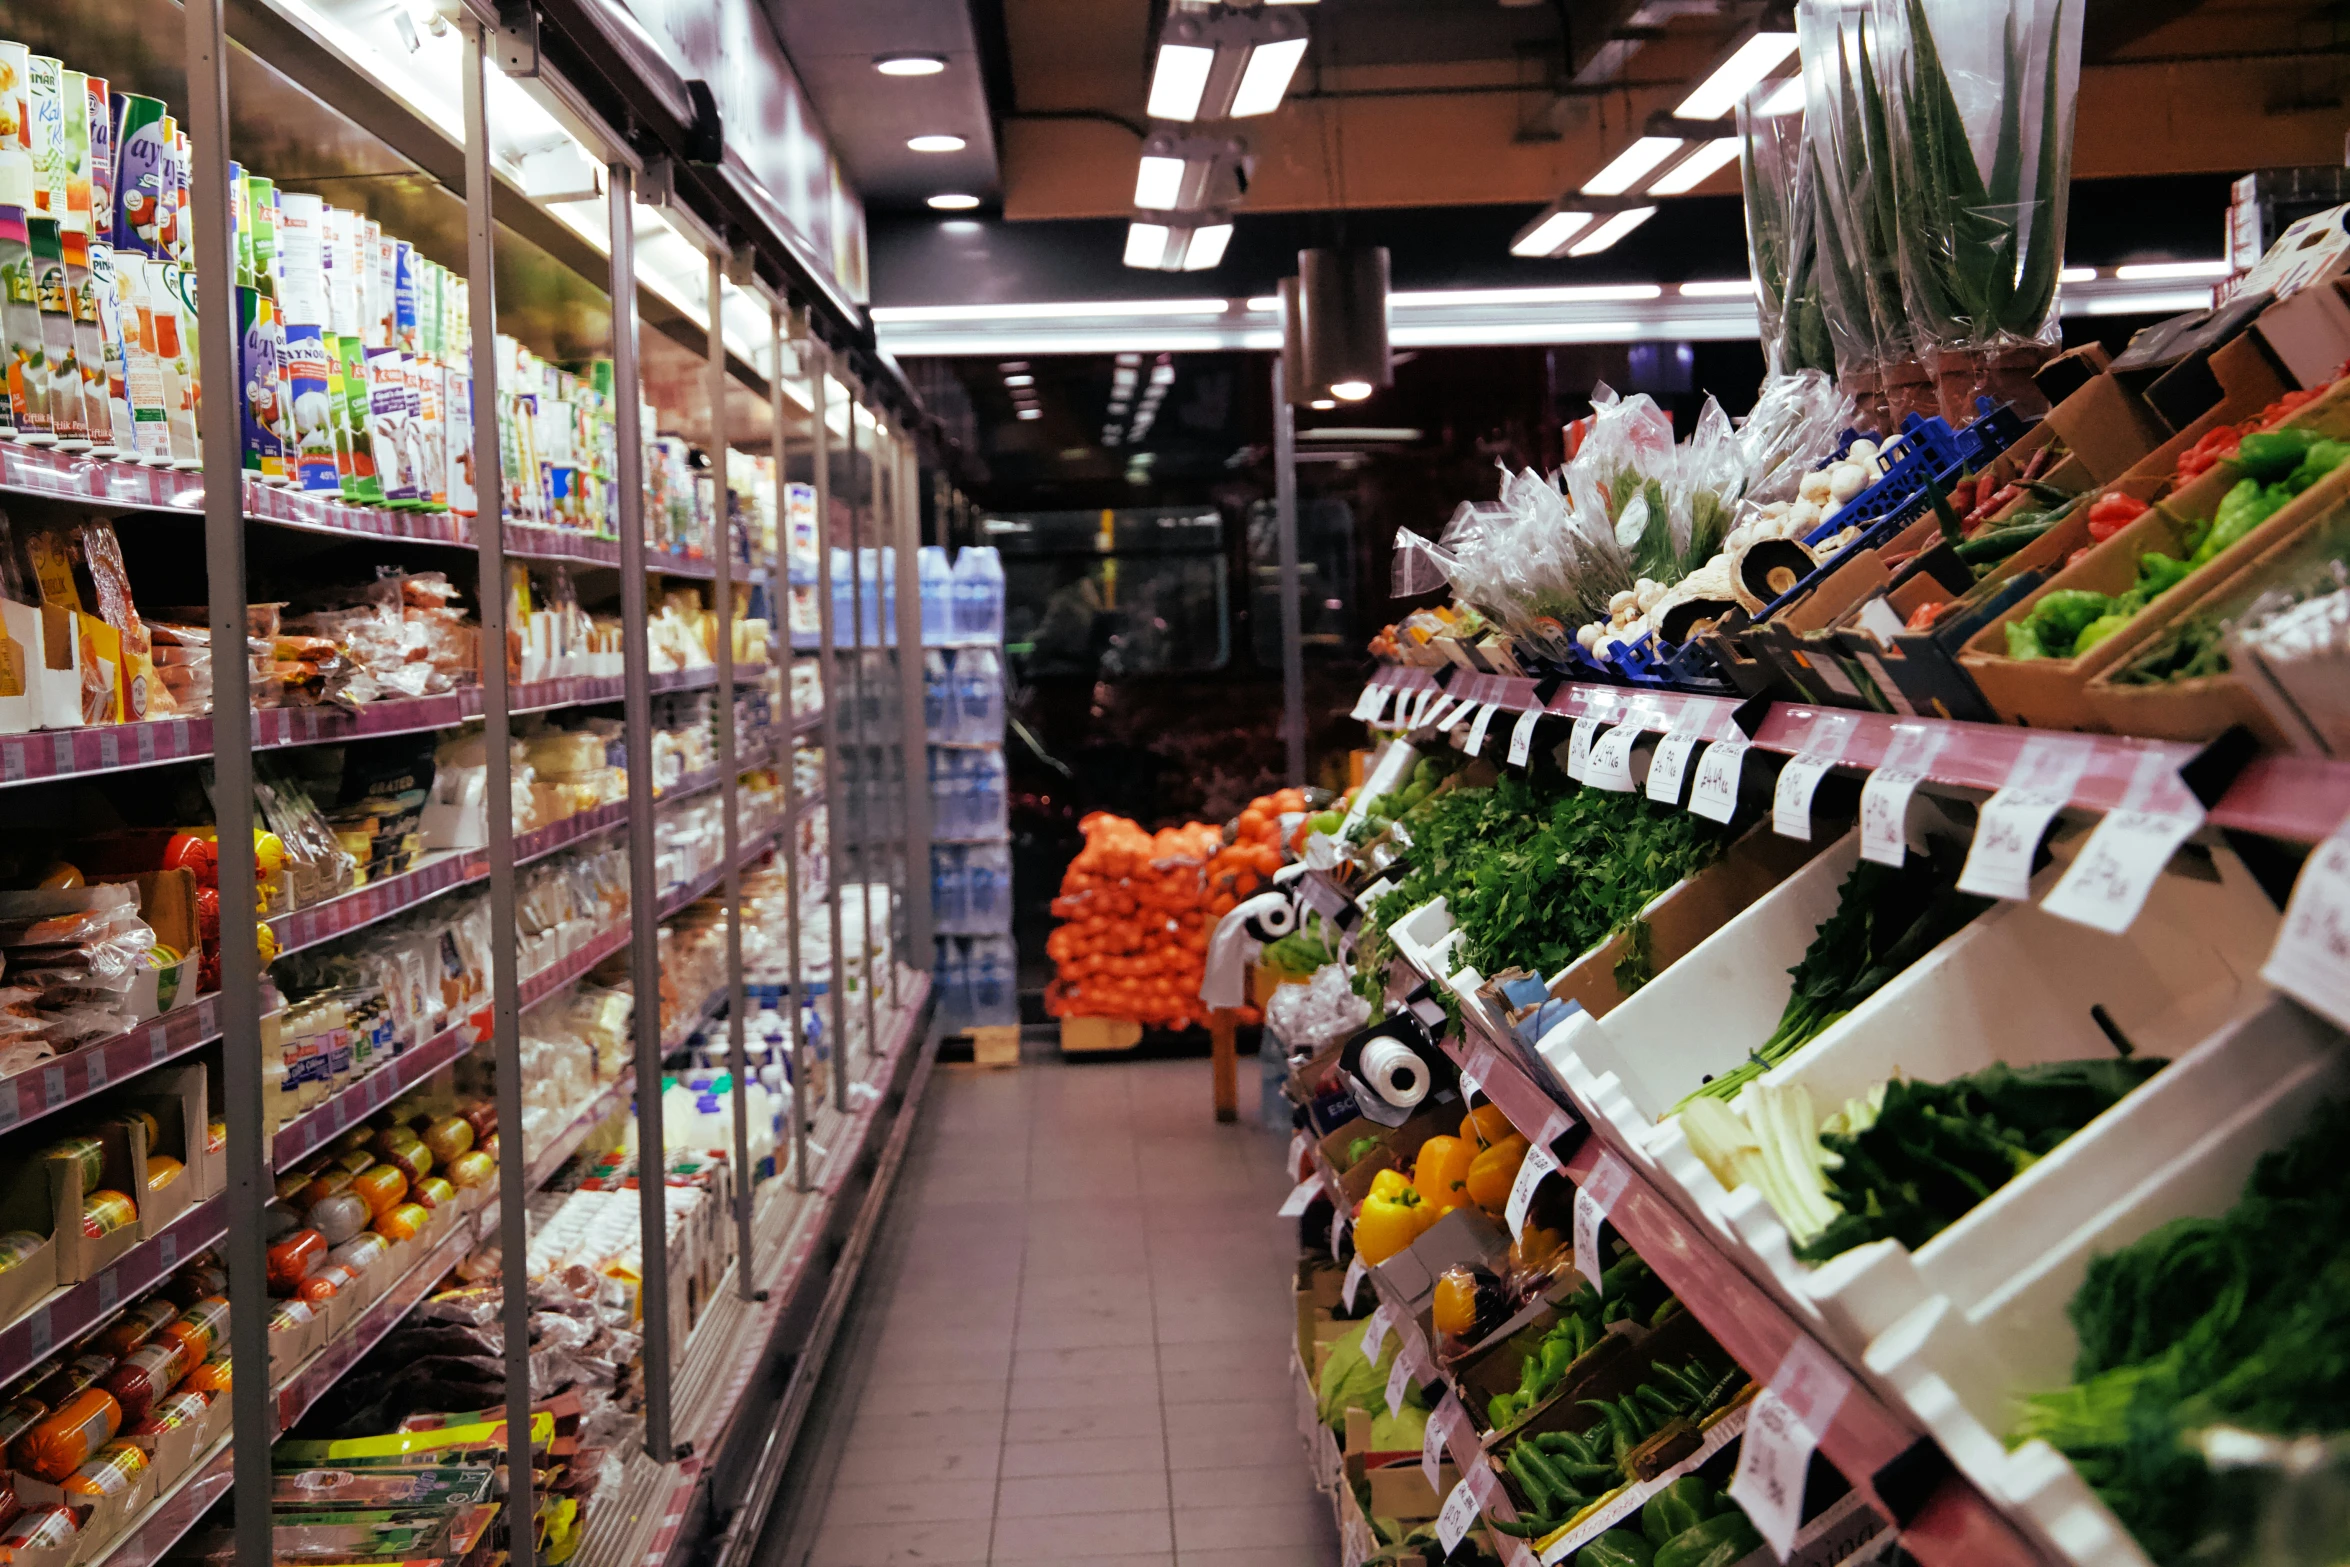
{"x":1782,"y":194}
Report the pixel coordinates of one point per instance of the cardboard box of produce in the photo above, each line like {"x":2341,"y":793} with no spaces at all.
{"x":1397,"y":1146}
{"x":2107,"y":426}
{"x":1463,"y":1235}
{"x":2309,"y":332}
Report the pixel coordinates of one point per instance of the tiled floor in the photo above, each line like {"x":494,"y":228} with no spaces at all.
{"x":1081,"y":1353}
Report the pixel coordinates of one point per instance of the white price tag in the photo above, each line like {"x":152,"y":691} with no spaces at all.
{"x":1370,"y":703}
{"x":1522,"y":737}
{"x":1538,"y":1166}
{"x":1449,"y":1416}
{"x":2311,"y":960}
{"x":1434,"y":718}
{"x":1299,"y":1145}
{"x":1300,"y":1196}
{"x":2111,"y":878}
{"x":1476,"y":743}
{"x":1460,"y":715}
{"x":1355,"y":1273}
{"x":1579,"y":747}
{"x":1375,"y":1334}
{"x":1884,"y":799}
{"x":1783,"y":1428}
{"x":1593,"y":1199}
{"x":2007,"y":834}
{"x":1799,"y":780}
{"x":1481,"y":1064}
{"x":1422,"y":700}
{"x":1411,"y":1365}
{"x":1668,"y":765}
{"x":1715,"y":794}
{"x":1610,"y":766}
{"x":1458,"y":1517}
{"x":1338,"y":1233}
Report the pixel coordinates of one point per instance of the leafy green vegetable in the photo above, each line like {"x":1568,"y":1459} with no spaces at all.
{"x":2241,"y":1320}
{"x":1935,"y":1150}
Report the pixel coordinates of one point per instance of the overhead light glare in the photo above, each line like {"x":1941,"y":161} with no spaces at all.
{"x":1726,"y":288}
{"x":1325,"y":404}
{"x":1107,"y":309}
{"x":1526,"y":296}
{"x":1351,"y":391}
{"x":1146,"y":245}
{"x":1749,"y":63}
{"x":1162,"y":374}
{"x":1616,"y":227}
{"x":1266,"y":77}
{"x":1631,"y":166}
{"x":1545,"y":238}
{"x":2151,"y":271}
{"x":1028,"y":413}
{"x":1207,"y":246}
{"x":909,"y":64}
{"x":935,"y":144}
{"x":954,"y":201}
{"x":2077,"y":275}
{"x":1158,"y":184}
{"x":1129,"y":359}
{"x":1019,"y":380}
{"x":1178,"y":80}
{"x":1697,"y":168}
{"x":1786,"y":98}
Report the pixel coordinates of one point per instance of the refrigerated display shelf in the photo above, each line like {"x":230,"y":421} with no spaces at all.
{"x":1944,"y":1521}
{"x":646,"y":1520}
{"x":2296,"y":798}
{"x":63,"y":1080}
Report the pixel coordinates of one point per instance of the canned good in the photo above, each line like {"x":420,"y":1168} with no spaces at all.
{"x":115,"y":1468}
{"x":104,"y":1212}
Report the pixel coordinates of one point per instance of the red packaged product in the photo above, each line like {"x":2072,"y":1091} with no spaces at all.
{"x":147,"y":1374}
{"x":137,"y":1325}
{"x":185,"y":1407}
{"x":59,"y":1445}
{"x":294,"y":1259}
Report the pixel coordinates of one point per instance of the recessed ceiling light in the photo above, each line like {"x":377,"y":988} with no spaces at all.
{"x":935,"y":144}
{"x":909,"y":64}
{"x":1351,"y":391}
{"x":1323,"y":403}
{"x":1019,"y":380}
{"x":1028,"y":413}
{"x":959,"y":226}
{"x":953,"y":201}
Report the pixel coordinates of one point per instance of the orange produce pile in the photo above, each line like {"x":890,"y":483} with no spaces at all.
{"x":1137,"y":909}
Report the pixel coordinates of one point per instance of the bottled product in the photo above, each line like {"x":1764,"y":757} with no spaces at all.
{"x":979,"y":695}
{"x":984,"y":812}
{"x":953,"y":974}
{"x":979,"y":595}
{"x":986,"y":886}
{"x":992,"y":975}
{"x":938,"y":593}
{"x":939,"y":708}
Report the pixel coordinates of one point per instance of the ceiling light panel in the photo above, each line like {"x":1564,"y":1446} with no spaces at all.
{"x":1701,"y":165}
{"x":1224,"y":62}
{"x":909,"y":64}
{"x":1179,"y":80}
{"x":1550,"y":235}
{"x":1616,"y":227}
{"x":1632,"y":165}
{"x":1760,"y":55}
{"x":935,"y":144}
{"x":953,"y":201}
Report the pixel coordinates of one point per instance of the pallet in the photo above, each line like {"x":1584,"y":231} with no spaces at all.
{"x":994,"y":1044}
{"x":1083,"y":1034}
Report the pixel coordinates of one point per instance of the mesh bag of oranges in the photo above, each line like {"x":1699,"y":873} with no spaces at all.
{"x":1134,"y":931}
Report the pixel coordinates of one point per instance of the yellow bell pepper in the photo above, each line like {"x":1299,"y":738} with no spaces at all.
{"x":1485,"y":1126}
{"x":1387,"y":1225}
{"x":1442,"y":1174}
{"x":1390,"y":1183}
{"x":1494,"y":1172}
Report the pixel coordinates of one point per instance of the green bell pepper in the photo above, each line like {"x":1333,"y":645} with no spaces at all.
{"x":1718,"y":1542}
{"x":2323,"y":458}
{"x":1678,"y":1508}
{"x":2268,"y":455}
{"x":2098,"y":630}
{"x":2241,"y":510}
{"x":1616,"y":1548}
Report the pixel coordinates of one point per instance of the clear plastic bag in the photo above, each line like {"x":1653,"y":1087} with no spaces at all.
{"x":1782,"y":200}
{"x":1318,"y":1013}
{"x":1846,"y":142}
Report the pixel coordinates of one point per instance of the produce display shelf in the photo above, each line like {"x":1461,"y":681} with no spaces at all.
{"x":645,"y":1521}
{"x":51,"y":1085}
{"x":1952,"y":1524}
{"x":2300,"y":799}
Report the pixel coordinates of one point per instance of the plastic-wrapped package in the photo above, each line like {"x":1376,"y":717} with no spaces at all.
{"x":1781,"y":196}
{"x":1846,"y":142}
{"x":1318,"y":1013}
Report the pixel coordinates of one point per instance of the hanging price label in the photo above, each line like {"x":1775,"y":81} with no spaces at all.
{"x":1434,"y":717}
{"x":1782,"y":1431}
{"x":1421,"y":702}
{"x":1457,"y":1518}
{"x":1337,"y":1232}
{"x":1480,"y":1067}
{"x":1459,"y":716}
{"x":1715,"y":794}
{"x":1884,"y":799}
{"x":1411,"y":1365}
{"x":1355,"y":1272}
{"x":2007,"y":834}
{"x":1300,"y":1195}
{"x":1668,"y":766}
{"x":2311,"y":960}
{"x":1522,"y":737}
{"x":1449,"y":1417}
{"x":1611,"y":758}
{"x":2110,"y":879}
{"x":1299,"y":1146}
{"x":1375,"y":1334}
{"x":1369,"y":705}
{"x":1476,"y":742}
{"x":1579,"y":747}
{"x":1593,"y":1199}
{"x":1538,"y":1166}
{"x":1799,"y":780}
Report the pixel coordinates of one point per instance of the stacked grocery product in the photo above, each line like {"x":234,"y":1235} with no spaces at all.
{"x":963,"y":703}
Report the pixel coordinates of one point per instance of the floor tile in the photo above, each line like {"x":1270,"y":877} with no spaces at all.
{"x":1115,"y":1455}
{"x":1083,"y":1537}
{"x":890,"y":1465}
{"x":1251,"y":1485}
{"x":1223,"y":1387}
{"x":1053,"y":1495}
{"x":1116,"y":1360}
{"x":901,"y":1545}
{"x":1228,"y":1449}
{"x":1061,"y":1392}
{"x":936,"y":1501}
{"x":1247,"y":1415}
{"x":918,"y":1431}
{"x":925,"y":1400}
{"x":1235,"y":1528}
{"x":1098,"y":1420}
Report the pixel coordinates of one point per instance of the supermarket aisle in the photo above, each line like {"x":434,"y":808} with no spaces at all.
{"x":1076,"y":1347}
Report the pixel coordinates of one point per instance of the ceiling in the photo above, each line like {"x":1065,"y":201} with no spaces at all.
{"x":869,"y":117}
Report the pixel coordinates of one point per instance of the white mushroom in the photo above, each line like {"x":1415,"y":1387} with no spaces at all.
{"x":1846,"y":480}
{"x":1649,"y":593}
{"x":1622,"y":601}
{"x":1586,"y":635}
{"x":1829,"y":511}
{"x":1863,"y":451}
{"x":1814,"y":487}
{"x":1800,"y":520}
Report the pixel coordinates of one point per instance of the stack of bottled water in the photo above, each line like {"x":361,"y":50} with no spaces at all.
{"x":970,"y":857}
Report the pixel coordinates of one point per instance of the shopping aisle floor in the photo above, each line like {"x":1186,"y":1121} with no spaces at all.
{"x":1075,"y":1347}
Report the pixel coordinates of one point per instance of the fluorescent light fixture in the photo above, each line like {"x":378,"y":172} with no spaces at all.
{"x":1266,"y":77}
{"x":1268,"y":301}
{"x":1207,"y":246}
{"x":1786,"y":98}
{"x":953,"y":201}
{"x":909,"y":64}
{"x":1547,"y":237}
{"x":1525,"y":296}
{"x":1129,"y":359}
{"x":2154,"y":271}
{"x":1726,"y":288}
{"x":1697,"y":168}
{"x":1146,"y":244}
{"x":1028,"y":413}
{"x":1748,"y":64}
{"x":935,"y":144}
{"x":2077,"y":275}
{"x":1224,"y":62}
{"x":1019,"y":380}
{"x":959,"y":226}
{"x":1179,"y":79}
{"x":1616,"y":227}
{"x":2152,"y":302}
{"x":1158,"y":184}
{"x":1118,"y":407}
{"x":1162,"y":375}
{"x":1108,"y":308}
{"x":1361,"y":432}
{"x":1631,"y":166}
{"x":1124,"y":377}
{"x":1351,"y":391}
{"x":1325,"y":404}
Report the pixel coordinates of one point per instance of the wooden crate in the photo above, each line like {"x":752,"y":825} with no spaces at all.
{"x":995,"y":1044}
{"x":1082,"y":1034}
